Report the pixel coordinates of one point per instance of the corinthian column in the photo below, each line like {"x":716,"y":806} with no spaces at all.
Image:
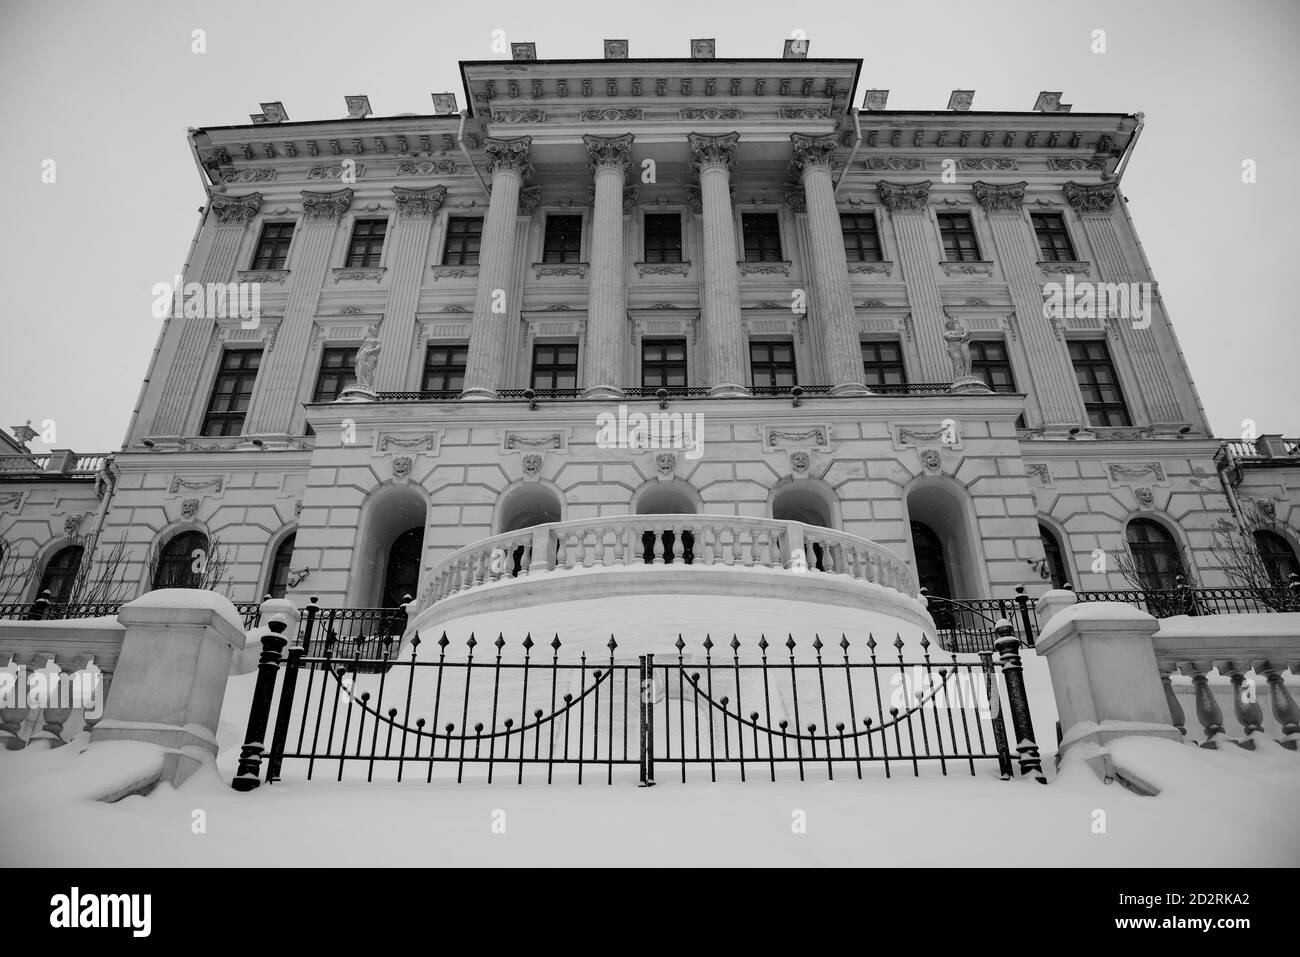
{"x":607,"y":304}
{"x":813,"y":159}
{"x":508,"y":163}
{"x":416,"y":211}
{"x":907,"y":205}
{"x":724,"y":335}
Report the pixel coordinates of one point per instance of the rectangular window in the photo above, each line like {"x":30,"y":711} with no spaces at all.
{"x":1098,"y":383}
{"x":771,"y":364}
{"x":555,"y":365}
{"x":663,"y":363}
{"x":861,"y":240}
{"x":367,"y":244}
{"x":882,"y":364}
{"x":231,"y":392}
{"x":762,"y":232}
{"x":663,"y":238}
{"x":337,"y":372}
{"x":464,"y":238}
{"x":958,"y":234}
{"x":1053,"y":239}
{"x":563,"y":243}
{"x":989,"y":361}
{"x":444,"y":368}
{"x":273,"y":246}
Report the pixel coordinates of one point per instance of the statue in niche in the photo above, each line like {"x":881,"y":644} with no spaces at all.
{"x":367,"y":359}
{"x":958,"y":339}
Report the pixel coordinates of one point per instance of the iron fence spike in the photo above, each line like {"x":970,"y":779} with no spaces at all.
{"x":789,"y":642}
{"x":708,"y":642}
{"x":844,"y":641}
{"x":735,"y":642}
{"x":612,"y":644}
{"x":679,"y":644}
{"x":762,"y":642}
{"x":817,"y":643}
{"x":415,"y":642}
{"x":528,"y":640}
{"x":898,"y":642}
{"x":500,"y":642}
{"x":555,"y":642}
{"x":443,"y":642}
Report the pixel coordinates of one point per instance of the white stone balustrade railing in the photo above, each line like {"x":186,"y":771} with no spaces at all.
{"x":657,"y":540}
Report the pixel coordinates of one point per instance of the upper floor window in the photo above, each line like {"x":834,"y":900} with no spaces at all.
{"x":882,"y":364}
{"x":958,"y":235}
{"x":337,"y":372}
{"x":1156,"y":556}
{"x":178,"y":564}
{"x":563,"y":242}
{"x":1053,"y":239}
{"x":663,"y":238}
{"x":444,"y":367}
{"x":367,"y":245}
{"x":1102,"y":396}
{"x":1275,"y":554}
{"x":555,"y":365}
{"x":60,"y":573}
{"x":989,"y":361}
{"x":663,"y":363}
{"x":762,"y":233}
{"x":861,"y":239}
{"x":231,"y":392}
{"x":273,"y":246}
{"x":771,"y":364}
{"x":464,"y":238}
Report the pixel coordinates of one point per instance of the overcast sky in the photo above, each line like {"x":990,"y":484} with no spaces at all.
{"x":107,"y":90}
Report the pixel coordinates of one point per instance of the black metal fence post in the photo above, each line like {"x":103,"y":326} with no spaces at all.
{"x":306,"y":628}
{"x":1025,"y":620}
{"x":994,"y":698}
{"x":1008,"y":649}
{"x":647,"y":721}
{"x":287,"y":688}
{"x":40,"y":607}
{"x":250,"y":756}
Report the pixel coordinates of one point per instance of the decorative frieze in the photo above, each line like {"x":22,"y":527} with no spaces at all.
{"x":264,"y":276}
{"x":227,"y":177}
{"x":711,"y":113}
{"x":454,"y":272}
{"x":882,"y":268}
{"x":803,"y":113}
{"x":195,"y":485}
{"x":430,"y":167}
{"x":1076,"y":164}
{"x":1121,"y":474}
{"x":967,"y":268}
{"x":359,"y":273}
{"x":1078,"y":268}
{"x":518,"y":116}
{"x":796,"y":437}
{"x":663,"y":269}
{"x":764,"y":269}
{"x":407,"y":442}
{"x":896,"y":163}
{"x":517,"y":441}
{"x":336,"y":172}
{"x":989,"y":164}
{"x":552,"y":270}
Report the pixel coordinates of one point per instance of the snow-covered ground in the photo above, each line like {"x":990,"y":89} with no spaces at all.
{"x":1226,"y":808}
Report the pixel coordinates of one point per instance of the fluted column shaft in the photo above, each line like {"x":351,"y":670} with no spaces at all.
{"x":196,"y":333}
{"x":417,"y":209}
{"x":907,"y":206}
{"x":832,"y":290}
{"x":1051,"y":378}
{"x":281,"y":372}
{"x":489,"y":332}
{"x":724,"y":334}
{"x":1094,"y":204}
{"x":607,"y":302}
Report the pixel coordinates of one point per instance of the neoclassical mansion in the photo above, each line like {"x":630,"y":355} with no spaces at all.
{"x":870,"y":340}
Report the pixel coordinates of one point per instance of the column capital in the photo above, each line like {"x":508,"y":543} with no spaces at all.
{"x":1090,"y":199}
{"x":794,"y":197}
{"x":613,"y":152}
{"x":236,"y":210}
{"x":530,"y":198}
{"x":713,"y":151}
{"x":812,"y":152}
{"x":508,"y":153}
{"x":419,"y":203}
{"x":1000,"y":197}
{"x":325,"y":207}
{"x":905,"y":197}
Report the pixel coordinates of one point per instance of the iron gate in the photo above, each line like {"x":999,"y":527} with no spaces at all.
{"x":779,"y":712}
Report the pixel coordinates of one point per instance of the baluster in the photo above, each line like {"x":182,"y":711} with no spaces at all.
{"x":100,"y":680}
{"x":526,"y":557}
{"x":737,"y":547}
{"x":570,"y":549}
{"x":631,"y":544}
{"x":658,"y":544}
{"x":57,"y":709}
{"x":677,"y":551}
{"x":1245,"y":708}
{"x":1207,"y":709}
{"x":773,"y":548}
{"x":1175,"y":709}
{"x":1285,"y":709}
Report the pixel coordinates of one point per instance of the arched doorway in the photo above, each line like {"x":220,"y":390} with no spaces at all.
{"x":667,"y":498}
{"x":1054,"y":565}
{"x":61,"y":573}
{"x":1155,"y":554}
{"x":402,"y":572}
{"x":278,"y":582}
{"x":527,"y":506}
{"x":932,"y":571}
{"x":181,"y":561}
{"x":806,"y":503}
{"x":1275,"y":554}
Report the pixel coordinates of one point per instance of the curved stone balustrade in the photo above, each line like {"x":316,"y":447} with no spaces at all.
{"x":694,"y":541}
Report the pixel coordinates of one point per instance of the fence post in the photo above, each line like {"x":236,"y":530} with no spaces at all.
{"x":313,"y":609}
{"x":1025,"y":619}
{"x":40,"y":607}
{"x":250,"y":756}
{"x":647,"y":713}
{"x":1008,"y":649}
{"x":271,"y":608}
{"x":994,"y":698}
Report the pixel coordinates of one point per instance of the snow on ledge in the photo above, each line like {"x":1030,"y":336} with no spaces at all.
{"x":1093,"y":611}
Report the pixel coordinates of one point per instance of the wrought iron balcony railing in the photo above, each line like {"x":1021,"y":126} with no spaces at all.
{"x":641,"y":392}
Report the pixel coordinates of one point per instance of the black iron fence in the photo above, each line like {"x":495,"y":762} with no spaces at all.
{"x":1187,"y":599}
{"x":533,"y":713}
{"x":969,"y":625}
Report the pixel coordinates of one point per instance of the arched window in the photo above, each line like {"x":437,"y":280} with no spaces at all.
{"x":279,"y":582}
{"x":61,"y":573}
{"x":665,"y":499}
{"x":181,"y":561}
{"x":1155,"y":553}
{"x":402,"y":575}
{"x":1055,"y":564}
{"x":1276,"y":554}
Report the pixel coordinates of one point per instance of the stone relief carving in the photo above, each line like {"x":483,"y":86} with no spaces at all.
{"x":899,"y":197}
{"x":930,"y":460}
{"x":402,"y":467}
{"x":800,"y":462}
{"x":425,"y":167}
{"x":1145,"y":497}
{"x":532,"y":463}
{"x":551,"y":440}
{"x":189,"y":508}
{"x":666,"y":463}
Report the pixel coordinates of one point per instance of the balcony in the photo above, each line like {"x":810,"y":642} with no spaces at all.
{"x":650,"y":578}
{"x":636,"y":392}
{"x":61,"y":462}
